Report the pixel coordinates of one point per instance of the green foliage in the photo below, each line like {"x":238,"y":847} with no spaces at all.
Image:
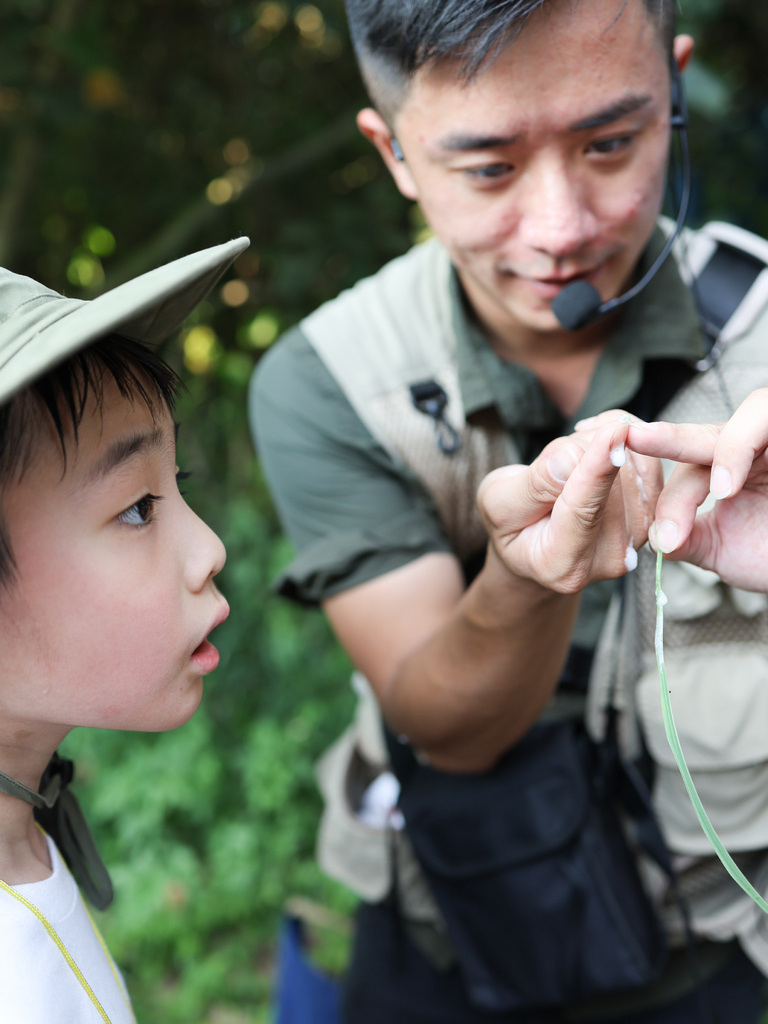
{"x":131,"y":132}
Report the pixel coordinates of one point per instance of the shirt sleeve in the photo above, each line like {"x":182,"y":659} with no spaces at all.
{"x":350,"y":510}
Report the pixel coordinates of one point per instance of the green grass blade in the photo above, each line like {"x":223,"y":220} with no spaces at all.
{"x":677,"y":750}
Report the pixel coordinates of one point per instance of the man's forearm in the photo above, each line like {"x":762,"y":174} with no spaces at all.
{"x":481,"y":680}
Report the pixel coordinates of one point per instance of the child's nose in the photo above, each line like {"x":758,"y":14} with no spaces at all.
{"x":205,"y":557}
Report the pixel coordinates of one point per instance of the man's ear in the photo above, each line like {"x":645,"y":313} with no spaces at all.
{"x":376,"y":130}
{"x":682,"y":48}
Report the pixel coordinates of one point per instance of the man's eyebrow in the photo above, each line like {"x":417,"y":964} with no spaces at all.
{"x":612,"y":113}
{"x":126,"y":448}
{"x":465,"y":142}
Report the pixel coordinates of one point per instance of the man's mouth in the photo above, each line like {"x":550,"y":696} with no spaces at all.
{"x":550,"y":286}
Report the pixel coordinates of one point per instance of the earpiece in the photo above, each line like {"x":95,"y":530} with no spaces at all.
{"x":397,"y":153}
{"x":679,"y":113}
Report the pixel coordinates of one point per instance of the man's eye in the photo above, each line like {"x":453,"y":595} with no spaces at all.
{"x":609,"y":147}
{"x":489,"y":172}
{"x":142,"y":512}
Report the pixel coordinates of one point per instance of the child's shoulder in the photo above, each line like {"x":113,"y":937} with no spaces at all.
{"x":51,"y":953}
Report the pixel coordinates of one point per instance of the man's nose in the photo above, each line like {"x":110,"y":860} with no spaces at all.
{"x":555,"y":215}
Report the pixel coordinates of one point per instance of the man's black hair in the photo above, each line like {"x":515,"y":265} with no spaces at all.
{"x":61,"y":396}
{"x":393,"y":39}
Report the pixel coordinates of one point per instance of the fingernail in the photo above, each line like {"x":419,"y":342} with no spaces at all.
{"x":663,"y":536}
{"x":720,"y":482}
{"x":642,"y":425}
{"x":561,"y":464}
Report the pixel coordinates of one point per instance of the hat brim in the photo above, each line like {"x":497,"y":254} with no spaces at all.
{"x":49,"y":328}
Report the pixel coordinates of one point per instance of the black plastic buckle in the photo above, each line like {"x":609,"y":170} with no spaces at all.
{"x":428,"y":397}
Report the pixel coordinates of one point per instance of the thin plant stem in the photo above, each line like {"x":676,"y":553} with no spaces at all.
{"x":674,"y":742}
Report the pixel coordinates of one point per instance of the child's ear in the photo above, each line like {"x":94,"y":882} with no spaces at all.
{"x":376,"y":130}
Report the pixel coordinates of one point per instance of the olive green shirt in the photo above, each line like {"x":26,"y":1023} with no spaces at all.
{"x":354,"y":514}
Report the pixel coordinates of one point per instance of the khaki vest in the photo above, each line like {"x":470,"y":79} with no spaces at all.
{"x":396,"y":329}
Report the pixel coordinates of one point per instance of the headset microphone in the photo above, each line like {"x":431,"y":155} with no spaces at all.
{"x":579,"y":304}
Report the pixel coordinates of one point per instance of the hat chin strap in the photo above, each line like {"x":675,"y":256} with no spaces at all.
{"x":58,"y":811}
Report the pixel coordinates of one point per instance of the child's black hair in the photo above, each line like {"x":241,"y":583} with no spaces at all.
{"x":61,"y":395}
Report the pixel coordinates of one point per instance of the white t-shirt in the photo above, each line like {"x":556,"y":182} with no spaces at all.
{"x":37,"y":984}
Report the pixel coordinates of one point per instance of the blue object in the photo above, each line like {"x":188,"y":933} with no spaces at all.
{"x":304,"y":994}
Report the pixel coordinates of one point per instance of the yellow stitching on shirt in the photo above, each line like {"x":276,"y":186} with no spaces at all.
{"x":110,"y":961}
{"x":62,"y":948}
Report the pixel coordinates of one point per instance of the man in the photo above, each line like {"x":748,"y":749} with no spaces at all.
{"x":536,"y":139}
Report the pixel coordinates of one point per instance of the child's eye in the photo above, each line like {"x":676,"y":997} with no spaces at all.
{"x":142,"y":512}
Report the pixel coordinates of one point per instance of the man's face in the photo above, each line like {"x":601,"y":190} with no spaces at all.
{"x":105,"y":623}
{"x":547,"y":167}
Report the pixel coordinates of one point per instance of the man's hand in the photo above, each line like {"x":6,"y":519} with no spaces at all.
{"x":575,"y":515}
{"x":729,"y":461}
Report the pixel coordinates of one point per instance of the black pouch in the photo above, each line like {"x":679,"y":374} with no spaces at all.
{"x":532,"y":871}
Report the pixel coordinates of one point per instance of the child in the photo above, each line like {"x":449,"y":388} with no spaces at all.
{"x":107,"y":598}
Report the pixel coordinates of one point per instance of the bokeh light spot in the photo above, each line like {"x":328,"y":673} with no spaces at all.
{"x":99,"y":240}
{"x":219,"y":191}
{"x":201,"y":349}
{"x":235,"y":293}
{"x":236,"y":151}
{"x":262,"y":330}
{"x":272,"y":16}
{"x":102,"y":89}
{"x":85,"y":270}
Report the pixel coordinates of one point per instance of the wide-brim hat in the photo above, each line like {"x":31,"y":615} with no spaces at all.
{"x":40,"y":328}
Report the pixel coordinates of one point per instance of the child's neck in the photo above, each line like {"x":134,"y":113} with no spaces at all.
{"x":23,"y":850}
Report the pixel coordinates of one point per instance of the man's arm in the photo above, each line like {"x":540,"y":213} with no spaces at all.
{"x":464,"y":673}
{"x":729,"y":461}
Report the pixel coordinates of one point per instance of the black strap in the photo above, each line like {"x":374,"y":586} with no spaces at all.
{"x":58,"y":812}
{"x":662,"y":379}
{"x":722,"y":285}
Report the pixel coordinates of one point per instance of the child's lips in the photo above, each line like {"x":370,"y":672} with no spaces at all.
{"x":205,"y":657}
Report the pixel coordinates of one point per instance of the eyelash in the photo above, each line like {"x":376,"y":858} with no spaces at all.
{"x":489,"y":173}
{"x":613,"y":146}
{"x":149,"y":503}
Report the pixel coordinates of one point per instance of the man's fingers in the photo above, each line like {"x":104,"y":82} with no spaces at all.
{"x":731,"y":449}
{"x":676,"y":508}
{"x":513,"y":497}
{"x":593,"y":423}
{"x":742,"y":440}
{"x":579,"y":514}
{"x":680,"y":442}
{"x":641,"y":480}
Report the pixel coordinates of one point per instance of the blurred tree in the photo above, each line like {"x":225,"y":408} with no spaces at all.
{"x":131,"y":132}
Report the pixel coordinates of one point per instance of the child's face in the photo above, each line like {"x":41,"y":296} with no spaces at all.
{"x":105,"y":624}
